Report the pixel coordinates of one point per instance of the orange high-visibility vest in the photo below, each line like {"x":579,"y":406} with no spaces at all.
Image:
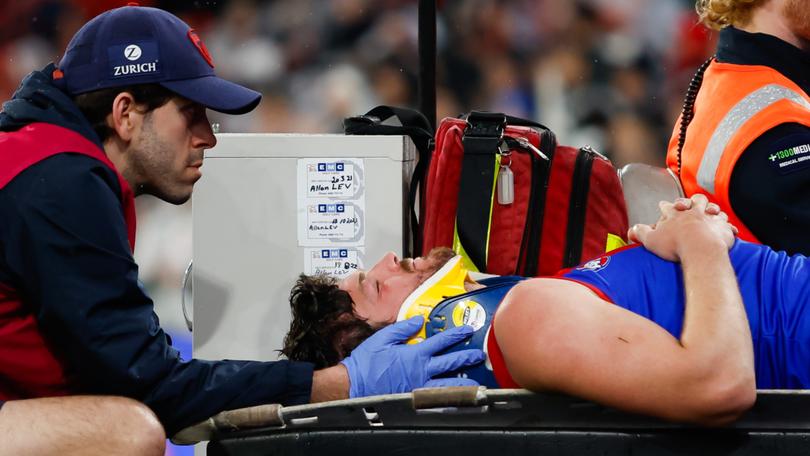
{"x":735,"y":105}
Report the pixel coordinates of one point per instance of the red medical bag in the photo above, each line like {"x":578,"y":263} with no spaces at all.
{"x":504,"y":194}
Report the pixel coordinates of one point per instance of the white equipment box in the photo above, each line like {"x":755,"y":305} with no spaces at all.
{"x":262,"y":208}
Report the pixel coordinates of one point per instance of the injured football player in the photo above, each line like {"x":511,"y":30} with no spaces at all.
{"x":685,"y":325}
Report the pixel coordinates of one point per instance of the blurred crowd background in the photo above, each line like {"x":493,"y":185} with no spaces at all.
{"x":608,"y":73}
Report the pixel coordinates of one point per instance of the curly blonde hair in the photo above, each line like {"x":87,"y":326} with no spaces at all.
{"x":718,"y":14}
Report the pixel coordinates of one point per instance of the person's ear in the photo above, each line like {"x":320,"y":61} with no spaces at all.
{"x":125,"y":117}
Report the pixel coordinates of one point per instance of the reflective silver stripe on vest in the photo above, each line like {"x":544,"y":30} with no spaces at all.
{"x":741,"y":113}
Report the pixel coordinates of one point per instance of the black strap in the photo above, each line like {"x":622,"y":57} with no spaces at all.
{"x":378,"y":122}
{"x":578,"y":207}
{"x":481,"y":139}
{"x":408,"y":117}
{"x":510,"y":120}
{"x":412,"y":123}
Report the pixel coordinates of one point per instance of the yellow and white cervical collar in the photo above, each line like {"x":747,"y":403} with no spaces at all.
{"x":444,"y":283}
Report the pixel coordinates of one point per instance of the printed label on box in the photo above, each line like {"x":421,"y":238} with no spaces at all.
{"x":337,"y":221}
{"x":331,"y":202}
{"x":337,"y":263}
{"x":335,"y":178}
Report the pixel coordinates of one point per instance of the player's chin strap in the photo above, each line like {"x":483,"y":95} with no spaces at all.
{"x":444,"y":283}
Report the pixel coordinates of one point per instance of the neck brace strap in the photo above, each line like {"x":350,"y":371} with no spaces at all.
{"x":444,"y":283}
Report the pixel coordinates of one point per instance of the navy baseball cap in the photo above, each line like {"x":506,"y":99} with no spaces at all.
{"x":141,"y":45}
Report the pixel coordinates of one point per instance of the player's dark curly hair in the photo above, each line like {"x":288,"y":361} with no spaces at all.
{"x":324,"y":328}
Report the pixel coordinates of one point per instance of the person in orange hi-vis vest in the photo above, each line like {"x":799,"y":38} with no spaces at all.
{"x":743,"y":138}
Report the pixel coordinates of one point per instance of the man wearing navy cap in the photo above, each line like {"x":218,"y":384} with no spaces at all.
{"x":124,"y":114}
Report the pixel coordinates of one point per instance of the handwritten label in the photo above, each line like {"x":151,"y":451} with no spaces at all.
{"x":331,"y":202}
{"x":331,"y":220}
{"x":337,"y":263}
{"x":331,"y":179}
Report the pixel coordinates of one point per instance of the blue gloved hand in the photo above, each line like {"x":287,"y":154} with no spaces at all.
{"x":383,"y":364}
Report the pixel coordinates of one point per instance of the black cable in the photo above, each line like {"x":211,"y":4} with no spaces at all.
{"x":688,"y":112}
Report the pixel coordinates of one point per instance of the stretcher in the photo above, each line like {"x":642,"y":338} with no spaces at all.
{"x":475,"y":420}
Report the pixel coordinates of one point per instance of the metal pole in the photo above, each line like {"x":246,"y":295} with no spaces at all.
{"x":427,"y":96}
{"x":427,"y":60}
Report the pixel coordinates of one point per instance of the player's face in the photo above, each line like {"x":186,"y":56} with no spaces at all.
{"x":167,"y":153}
{"x":379,"y":292}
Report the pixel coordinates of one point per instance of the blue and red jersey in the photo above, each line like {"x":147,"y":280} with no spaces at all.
{"x":775,"y":289}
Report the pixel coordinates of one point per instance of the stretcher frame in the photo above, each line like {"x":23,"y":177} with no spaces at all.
{"x":471,"y":420}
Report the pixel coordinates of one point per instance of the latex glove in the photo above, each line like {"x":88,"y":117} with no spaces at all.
{"x":383,"y":364}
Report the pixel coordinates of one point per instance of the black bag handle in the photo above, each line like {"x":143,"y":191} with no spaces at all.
{"x":510,"y":120}
{"x":378,"y":122}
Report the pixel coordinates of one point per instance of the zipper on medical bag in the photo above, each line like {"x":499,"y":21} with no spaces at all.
{"x":532,"y":233}
{"x":578,"y":206}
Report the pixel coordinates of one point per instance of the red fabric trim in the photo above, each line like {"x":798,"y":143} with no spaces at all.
{"x":443,"y":182}
{"x":37,"y":141}
{"x":502,"y":375}
{"x":29,"y":367}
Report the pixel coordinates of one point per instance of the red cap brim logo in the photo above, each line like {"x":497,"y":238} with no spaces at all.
{"x":198,"y":43}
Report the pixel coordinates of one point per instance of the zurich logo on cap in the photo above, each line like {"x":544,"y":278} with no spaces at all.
{"x":132,"y":52}
{"x":134,"y":59}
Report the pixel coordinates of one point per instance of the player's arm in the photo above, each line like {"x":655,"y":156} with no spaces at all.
{"x":558,"y":335}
